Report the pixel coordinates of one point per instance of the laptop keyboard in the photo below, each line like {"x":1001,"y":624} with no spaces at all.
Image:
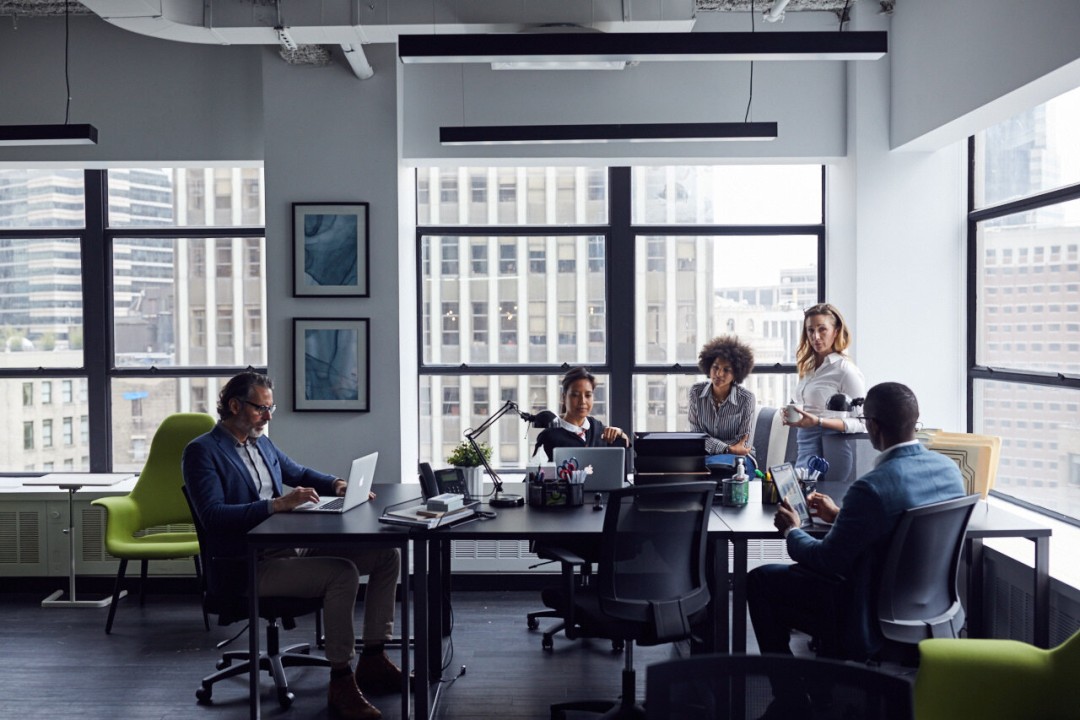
{"x":335,"y":504}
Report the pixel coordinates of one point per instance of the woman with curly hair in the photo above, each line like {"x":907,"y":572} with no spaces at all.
{"x":824,"y":370}
{"x":721,"y":407}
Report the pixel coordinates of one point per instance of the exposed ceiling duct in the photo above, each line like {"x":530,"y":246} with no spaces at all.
{"x":311,"y":25}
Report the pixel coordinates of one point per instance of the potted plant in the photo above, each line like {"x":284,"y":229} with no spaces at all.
{"x":464,"y":456}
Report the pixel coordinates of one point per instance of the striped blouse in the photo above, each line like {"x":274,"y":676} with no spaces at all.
{"x":725,"y":423}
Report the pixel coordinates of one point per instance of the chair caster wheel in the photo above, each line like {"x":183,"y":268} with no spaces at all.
{"x":285,"y":699}
{"x":533,"y":623}
{"x":202,"y":695}
{"x":222,"y":664}
{"x":548,"y":643}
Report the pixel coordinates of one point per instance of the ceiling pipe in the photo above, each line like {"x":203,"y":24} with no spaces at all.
{"x":187,"y":21}
{"x":776,"y":12}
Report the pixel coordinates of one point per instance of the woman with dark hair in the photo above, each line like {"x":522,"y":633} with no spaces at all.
{"x":575,"y":427}
{"x":721,"y":407}
{"x":824,"y":370}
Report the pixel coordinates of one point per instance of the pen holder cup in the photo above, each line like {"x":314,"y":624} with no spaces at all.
{"x":559,"y":494}
{"x":734,"y":493}
{"x":769,"y":494}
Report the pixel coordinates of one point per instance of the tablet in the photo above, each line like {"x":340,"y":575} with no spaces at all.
{"x":787,"y":488}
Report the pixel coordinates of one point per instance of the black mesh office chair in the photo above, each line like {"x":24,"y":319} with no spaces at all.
{"x":737,"y":687}
{"x":649,"y":586}
{"x":225,"y":595}
{"x":918,"y":597}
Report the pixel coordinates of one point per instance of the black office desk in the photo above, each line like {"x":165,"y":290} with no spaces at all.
{"x":359,"y":525}
{"x":755,"y":522}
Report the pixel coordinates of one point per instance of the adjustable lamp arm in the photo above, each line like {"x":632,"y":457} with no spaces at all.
{"x":471,"y":434}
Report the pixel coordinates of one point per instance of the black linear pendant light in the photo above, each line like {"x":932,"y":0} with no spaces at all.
{"x":66,"y":134}
{"x":606,"y":133}
{"x":642,"y":47}
{"x":81,"y":134}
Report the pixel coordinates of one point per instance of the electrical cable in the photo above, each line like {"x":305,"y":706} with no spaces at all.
{"x":844,"y":14}
{"x":750,"y":99}
{"x":67,"y":77}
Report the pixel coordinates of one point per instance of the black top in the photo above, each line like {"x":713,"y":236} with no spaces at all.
{"x":557,"y":436}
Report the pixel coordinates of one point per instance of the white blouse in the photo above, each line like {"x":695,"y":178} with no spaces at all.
{"x":837,"y":374}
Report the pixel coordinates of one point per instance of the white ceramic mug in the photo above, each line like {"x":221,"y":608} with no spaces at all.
{"x":791,"y":412}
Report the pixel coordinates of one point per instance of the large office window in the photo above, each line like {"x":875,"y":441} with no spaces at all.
{"x":1024,"y":302}
{"x":123,"y":317}
{"x":627,"y":271}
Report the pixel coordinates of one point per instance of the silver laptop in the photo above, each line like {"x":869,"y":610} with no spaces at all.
{"x":608,"y":465}
{"x":361,"y":477}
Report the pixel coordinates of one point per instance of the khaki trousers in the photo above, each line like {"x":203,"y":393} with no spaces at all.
{"x":333,"y":573}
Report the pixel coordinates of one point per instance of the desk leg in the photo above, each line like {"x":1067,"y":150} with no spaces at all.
{"x":253,"y":630}
{"x":54,"y":601}
{"x":406,"y":627}
{"x":1042,"y":592}
{"x":738,"y":604}
{"x":716,"y":634}
{"x":420,"y":614}
{"x":975,"y":589}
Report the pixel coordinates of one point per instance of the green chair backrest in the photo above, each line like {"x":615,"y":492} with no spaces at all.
{"x":157,"y":494}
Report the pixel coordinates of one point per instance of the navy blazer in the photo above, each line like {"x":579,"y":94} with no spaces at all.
{"x":856,"y":545}
{"x":224,"y":494}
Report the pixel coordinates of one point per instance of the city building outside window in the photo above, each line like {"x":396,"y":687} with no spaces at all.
{"x":1024,"y":314}
{"x":708,"y":248}
{"x":160,"y":233}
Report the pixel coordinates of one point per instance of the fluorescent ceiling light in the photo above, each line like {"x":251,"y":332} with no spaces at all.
{"x":11,"y":135}
{"x":642,"y":47}
{"x":605,"y":133}
{"x":561,"y":65}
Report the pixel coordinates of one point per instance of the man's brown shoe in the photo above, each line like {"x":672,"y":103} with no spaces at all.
{"x":346,"y":702}
{"x":378,"y":675}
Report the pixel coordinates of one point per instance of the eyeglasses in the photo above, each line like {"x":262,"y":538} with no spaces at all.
{"x":864,"y":418}
{"x":262,"y":409}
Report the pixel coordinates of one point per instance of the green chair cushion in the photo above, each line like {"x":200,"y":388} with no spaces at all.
{"x":989,"y":679}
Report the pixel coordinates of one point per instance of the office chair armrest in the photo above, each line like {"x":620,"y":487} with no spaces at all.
{"x":566,"y":557}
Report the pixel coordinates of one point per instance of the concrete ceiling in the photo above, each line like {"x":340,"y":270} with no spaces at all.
{"x":315,"y":26}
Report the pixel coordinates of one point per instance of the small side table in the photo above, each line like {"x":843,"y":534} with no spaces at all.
{"x":72,"y":482}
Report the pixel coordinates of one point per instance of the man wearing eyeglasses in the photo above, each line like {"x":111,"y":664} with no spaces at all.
{"x":236,"y":479}
{"x":905,"y":475}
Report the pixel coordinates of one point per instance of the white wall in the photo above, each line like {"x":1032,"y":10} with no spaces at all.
{"x":896,"y":246}
{"x":152,"y":101}
{"x":333,"y":138}
{"x":962,"y":65}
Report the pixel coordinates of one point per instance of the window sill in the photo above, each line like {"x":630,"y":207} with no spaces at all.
{"x":1064,"y":544}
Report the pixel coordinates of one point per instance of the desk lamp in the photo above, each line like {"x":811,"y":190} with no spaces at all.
{"x":540,"y":420}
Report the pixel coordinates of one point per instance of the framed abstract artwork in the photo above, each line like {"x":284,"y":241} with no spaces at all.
{"x":331,"y":364}
{"x":330,"y":249}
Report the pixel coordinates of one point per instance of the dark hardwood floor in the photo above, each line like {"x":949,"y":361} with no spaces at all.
{"x":58,"y":663}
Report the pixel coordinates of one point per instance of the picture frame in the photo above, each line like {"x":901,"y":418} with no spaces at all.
{"x":330,"y":249}
{"x":331,"y":363}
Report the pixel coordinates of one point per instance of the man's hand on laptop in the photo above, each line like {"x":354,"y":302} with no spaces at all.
{"x":295,"y":497}
{"x":339,"y":487}
{"x":822,"y":506}
{"x":785,"y":517}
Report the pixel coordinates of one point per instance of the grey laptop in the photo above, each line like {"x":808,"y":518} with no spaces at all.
{"x":608,"y":465}
{"x":361,"y":477}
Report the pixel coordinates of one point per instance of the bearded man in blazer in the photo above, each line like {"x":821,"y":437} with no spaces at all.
{"x":236,"y":478}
